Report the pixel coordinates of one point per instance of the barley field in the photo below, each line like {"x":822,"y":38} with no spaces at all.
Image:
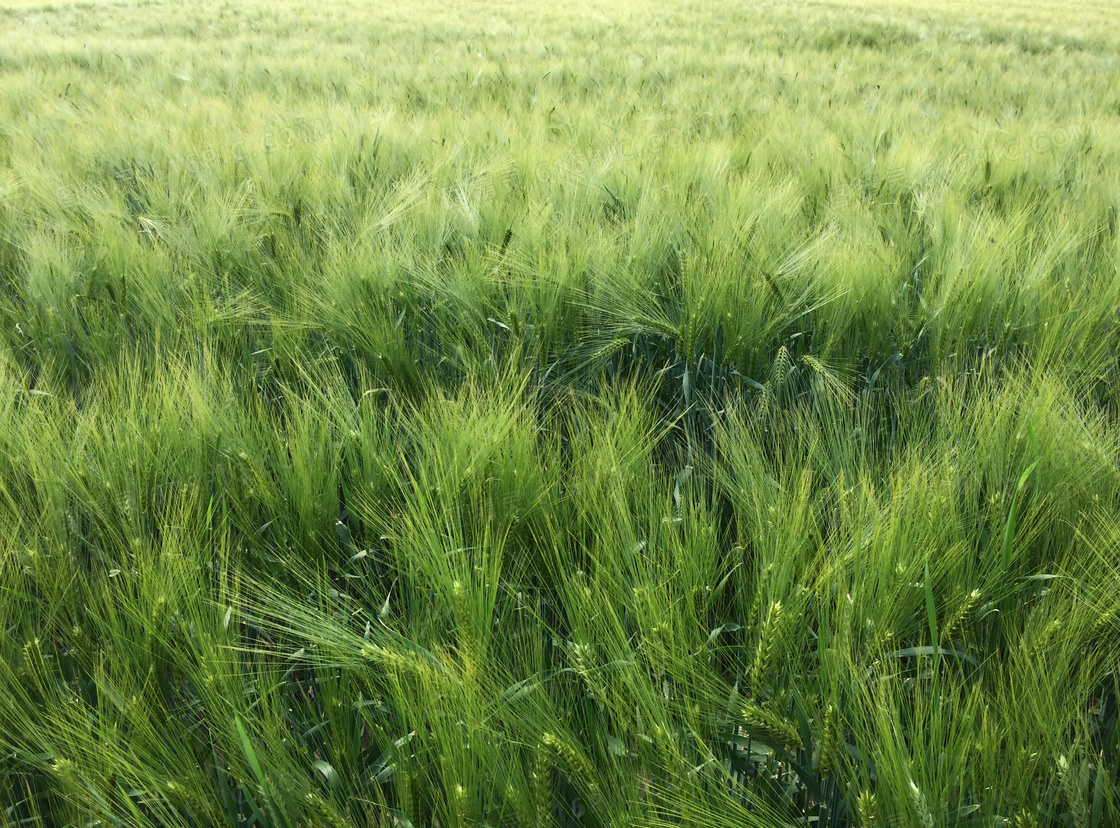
{"x":540,"y":414}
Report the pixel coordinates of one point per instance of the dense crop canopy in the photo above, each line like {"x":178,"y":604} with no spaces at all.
{"x":658,"y":414}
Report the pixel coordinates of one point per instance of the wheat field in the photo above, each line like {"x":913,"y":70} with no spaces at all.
{"x":653,"y":414}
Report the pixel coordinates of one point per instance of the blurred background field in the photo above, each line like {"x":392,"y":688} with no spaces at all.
{"x":682,"y":413}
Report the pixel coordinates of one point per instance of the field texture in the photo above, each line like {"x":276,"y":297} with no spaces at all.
{"x":560,"y":414}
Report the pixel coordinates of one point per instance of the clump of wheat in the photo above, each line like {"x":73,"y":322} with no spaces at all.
{"x":920,"y":805}
{"x":829,"y":742}
{"x":771,"y":726}
{"x":960,"y":617}
{"x":767,"y":644}
{"x":865,"y":809}
{"x":1071,"y":792}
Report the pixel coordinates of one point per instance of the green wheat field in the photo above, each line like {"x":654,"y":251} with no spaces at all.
{"x":544,"y":414}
